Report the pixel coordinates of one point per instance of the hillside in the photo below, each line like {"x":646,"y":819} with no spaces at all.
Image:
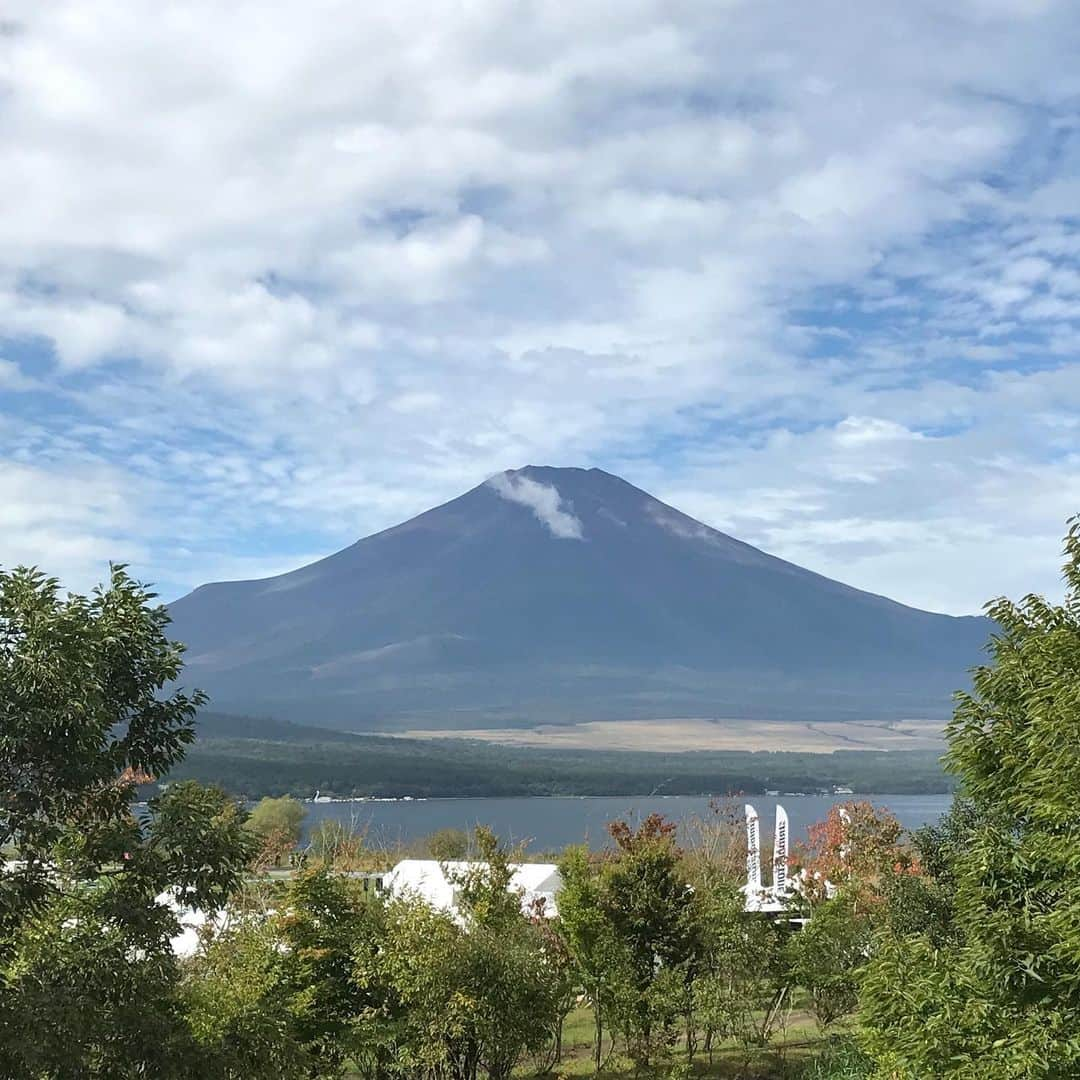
{"x":561,"y":595}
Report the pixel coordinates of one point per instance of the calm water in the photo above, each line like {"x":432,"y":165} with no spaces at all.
{"x":545,"y":824}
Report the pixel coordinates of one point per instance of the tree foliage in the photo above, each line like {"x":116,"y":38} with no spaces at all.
{"x":447,"y":845}
{"x":88,"y":900}
{"x":741,"y":982}
{"x":82,"y":720}
{"x":631,"y":926}
{"x":469,"y":995}
{"x":827,"y":955}
{"x":855,"y":850}
{"x":313,"y":978}
{"x":273,"y":993}
{"x":277,"y":824}
{"x":235,"y":999}
{"x":1002,"y":997}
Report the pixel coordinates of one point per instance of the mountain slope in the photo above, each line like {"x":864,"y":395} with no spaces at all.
{"x":560,"y":595}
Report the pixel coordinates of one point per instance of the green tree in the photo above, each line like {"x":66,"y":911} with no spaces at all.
{"x":448,"y":845}
{"x":485,"y":893}
{"x":503,"y":940}
{"x":463,"y":996}
{"x":327,"y":925}
{"x":1003,"y":998}
{"x":741,"y":980}
{"x":925,"y":902}
{"x":277,"y":824}
{"x":651,"y":907}
{"x":237,"y":1001}
{"x":599,"y":962}
{"x":941,"y":845}
{"x":827,"y":954}
{"x":88,"y":980}
{"x":632,"y":927}
{"x":742,"y":989}
{"x":273,"y":995}
{"x":82,"y":718}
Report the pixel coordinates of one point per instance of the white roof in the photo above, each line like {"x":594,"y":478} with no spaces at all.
{"x":192,"y":923}
{"x":431,"y":881}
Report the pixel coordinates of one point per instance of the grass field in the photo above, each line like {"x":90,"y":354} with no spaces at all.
{"x":787,"y":1055}
{"x":797,"y":1051}
{"x":674,"y":736}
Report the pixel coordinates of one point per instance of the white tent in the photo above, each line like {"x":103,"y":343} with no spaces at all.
{"x":434,"y":883}
{"x":193,"y":925}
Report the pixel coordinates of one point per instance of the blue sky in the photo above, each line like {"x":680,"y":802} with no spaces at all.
{"x":274,"y":276}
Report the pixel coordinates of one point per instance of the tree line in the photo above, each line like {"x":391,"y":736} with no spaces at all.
{"x":256,"y":757}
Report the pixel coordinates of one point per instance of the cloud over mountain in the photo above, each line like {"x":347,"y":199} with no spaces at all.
{"x":543,"y":500}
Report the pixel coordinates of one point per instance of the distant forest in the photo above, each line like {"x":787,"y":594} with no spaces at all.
{"x":256,"y":756}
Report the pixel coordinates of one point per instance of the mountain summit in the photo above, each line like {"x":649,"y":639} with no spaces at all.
{"x":560,"y":595}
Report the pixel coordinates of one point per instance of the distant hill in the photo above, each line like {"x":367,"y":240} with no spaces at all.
{"x":216,"y":727}
{"x":256,"y":756}
{"x":560,"y":595}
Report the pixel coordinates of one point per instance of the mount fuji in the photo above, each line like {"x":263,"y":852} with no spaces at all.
{"x":551,"y":595}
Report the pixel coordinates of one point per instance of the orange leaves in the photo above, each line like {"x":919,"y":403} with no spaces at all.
{"x":853,"y":848}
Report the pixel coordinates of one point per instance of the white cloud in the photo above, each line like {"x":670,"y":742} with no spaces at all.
{"x":862,"y":430}
{"x":543,"y":500}
{"x":307,"y":269}
{"x":12,"y":378}
{"x":70,"y":523}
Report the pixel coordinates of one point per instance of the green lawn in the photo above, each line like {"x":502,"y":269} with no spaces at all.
{"x":786,"y":1057}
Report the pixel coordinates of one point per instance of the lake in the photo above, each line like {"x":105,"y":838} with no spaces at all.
{"x":550,"y":823}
